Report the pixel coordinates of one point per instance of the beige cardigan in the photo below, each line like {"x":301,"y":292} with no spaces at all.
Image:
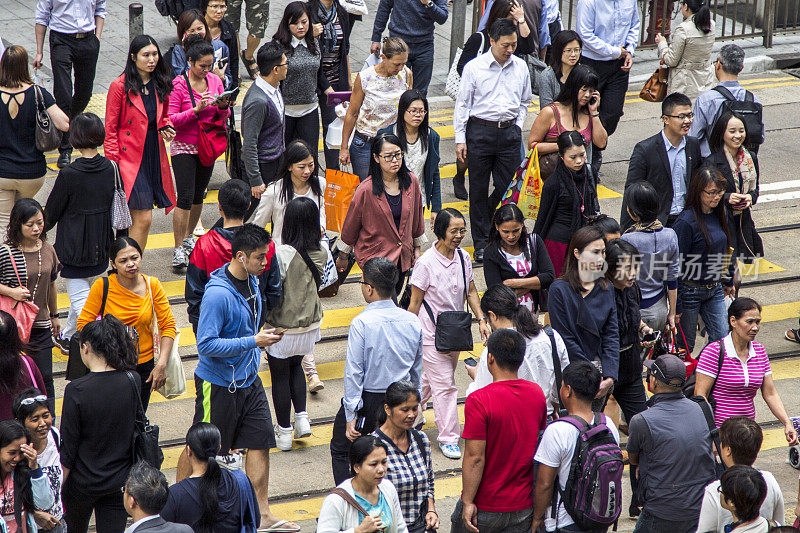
{"x":689,"y":59}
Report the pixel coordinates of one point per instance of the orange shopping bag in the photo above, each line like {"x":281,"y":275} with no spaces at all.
{"x":338,"y":193}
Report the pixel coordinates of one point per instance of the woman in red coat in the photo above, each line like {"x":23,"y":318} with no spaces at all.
{"x":137,"y":124}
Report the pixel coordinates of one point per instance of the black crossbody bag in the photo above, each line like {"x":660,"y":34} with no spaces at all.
{"x":453,"y":328}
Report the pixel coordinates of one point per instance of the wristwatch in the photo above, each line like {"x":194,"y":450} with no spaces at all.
{"x":521,"y":20}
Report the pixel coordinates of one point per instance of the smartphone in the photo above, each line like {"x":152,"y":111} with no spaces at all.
{"x":165,"y":128}
{"x":652,"y":337}
{"x":593,"y":100}
{"x":228,"y":94}
{"x":470,"y":361}
{"x":279,"y":331}
{"x":360,"y":421}
{"x":222,"y":63}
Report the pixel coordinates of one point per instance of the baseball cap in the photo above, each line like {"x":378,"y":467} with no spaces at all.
{"x":669,"y":369}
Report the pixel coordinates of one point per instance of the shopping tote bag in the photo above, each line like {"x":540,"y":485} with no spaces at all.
{"x":526,"y":186}
{"x":338,"y":193}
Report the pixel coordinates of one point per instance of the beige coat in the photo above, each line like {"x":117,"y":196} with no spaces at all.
{"x":689,"y":58}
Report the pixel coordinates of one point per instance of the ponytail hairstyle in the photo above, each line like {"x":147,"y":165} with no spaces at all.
{"x":397,"y":394}
{"x":195,"y":46}
{"x":617,"y":251}
{"x":701,"y":12}
{"x":11,"y":430}
{"x":204,"y":440}
{"x":109,"y":339}
{"x":503,"y":302}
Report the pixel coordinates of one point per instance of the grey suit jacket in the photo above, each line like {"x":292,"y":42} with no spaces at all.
{"x":159,"y":525}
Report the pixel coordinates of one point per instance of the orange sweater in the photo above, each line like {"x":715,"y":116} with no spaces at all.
{"x":132,"y":310}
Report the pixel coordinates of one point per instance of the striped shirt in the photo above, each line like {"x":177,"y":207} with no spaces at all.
{"x":738,"y":382}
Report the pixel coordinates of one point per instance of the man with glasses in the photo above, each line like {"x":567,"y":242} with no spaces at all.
{"x":384,"y":345}
{"x":667,"y":160}
{"x":671,"y":443}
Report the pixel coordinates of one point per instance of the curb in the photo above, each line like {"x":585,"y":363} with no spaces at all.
{"x":752,"y":65}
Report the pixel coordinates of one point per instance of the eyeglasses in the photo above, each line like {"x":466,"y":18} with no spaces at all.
{"x":397,"y":156}
{"x":416,"y":112}
{"x":682,"y":116}
{"x":714,"y":193}
{"x":365,"y":283}
{"x":572,"y":51}
{"x":33,"y":399}
{"x":218,"y":7}
{"x":462,"y":231}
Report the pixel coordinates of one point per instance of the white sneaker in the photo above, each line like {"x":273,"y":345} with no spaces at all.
{"x":451,"y":451}
{"x":234,"y":461}
{"x":188,"y":245}
{"x":419,"y":422}
{"x":199,"y":230}
{"x":283,"y":438}
{"x":302,"y":426}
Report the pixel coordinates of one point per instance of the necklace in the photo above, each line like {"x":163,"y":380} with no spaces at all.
{"x":39,"y":260}
{"x":582,"y":195}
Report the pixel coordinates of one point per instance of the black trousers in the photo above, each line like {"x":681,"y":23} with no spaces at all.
{"x":67,"y":55}
{"x":492,"y":153}
{"x":109,"y":511}
{"x":288,"y":387}
{"x":144,"y":370}
{"x":305,"y":128}
{"x":632,"y":400}
{"x":40,"y":349}
{"x":191,"y":180}
{"x":340,"y":444}
{"x":613,"y":86}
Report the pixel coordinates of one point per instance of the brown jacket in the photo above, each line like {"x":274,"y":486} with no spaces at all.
{"x":369,"y":227}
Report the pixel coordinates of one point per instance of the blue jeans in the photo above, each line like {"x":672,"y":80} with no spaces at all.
{"x":700,"y":300}
{"x":360,"y":156}
{"x":489,"y":522}
{"x":647,"y":523}
{"x":420,"y":61}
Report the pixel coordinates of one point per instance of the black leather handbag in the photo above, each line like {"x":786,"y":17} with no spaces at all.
{"x":145,"y":435}
{"x":453,"y":328}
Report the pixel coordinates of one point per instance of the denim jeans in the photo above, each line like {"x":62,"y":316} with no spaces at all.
{"x":699,"y":300}
{"x":647,"y":523}
{"x":420,"y":61}
{"x":360,"y":156}
{"x":489,"y":522}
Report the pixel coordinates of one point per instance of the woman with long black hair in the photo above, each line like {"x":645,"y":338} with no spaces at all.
{"x":569,"y":198}
{"x":137,"y":124}
{"x":211,"y":499}
{"x":18,"y":372}
{"x":565,"y":53}
{"x":517,"y":259}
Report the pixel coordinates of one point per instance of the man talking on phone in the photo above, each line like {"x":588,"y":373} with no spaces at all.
{"x":230,"y":394}
{"x":384,"y":345}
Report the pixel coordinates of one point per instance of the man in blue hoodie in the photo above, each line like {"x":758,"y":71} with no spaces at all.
{"x":230,"y":393}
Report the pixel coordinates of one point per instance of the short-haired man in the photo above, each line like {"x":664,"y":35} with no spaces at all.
{"x":708,"y":106}
{"x":490,"y":112}
{"x":667,"y":160}
{"x":263,"y":121}
{"x":384,"y":345}
{"x":213,"y":250}
{"x":741,"y":439}
{"x":230,"y":394}
{"x":145,"y":495}
{"x":581,"y":382}
{"x":671,"y":443}
{"x":502,"y":422}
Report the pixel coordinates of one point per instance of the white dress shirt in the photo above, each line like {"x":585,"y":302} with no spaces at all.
{"x":605,"y":25}
{"x":70,"y":16}
{"x":491,"y":91}
{"x":273,"y":93}
{"x":138,"y":523}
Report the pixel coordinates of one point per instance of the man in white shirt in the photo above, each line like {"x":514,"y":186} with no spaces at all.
{"x":490,"y":111}
{"x":741,"y":440}
{"x":145,"y":494}
{"x":557,"y":445}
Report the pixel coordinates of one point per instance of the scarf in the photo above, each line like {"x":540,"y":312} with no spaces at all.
{"x":581,"y":191}
{"x":328,"y":19}
{"x":651,"y":227}
{"x":743,"y":168}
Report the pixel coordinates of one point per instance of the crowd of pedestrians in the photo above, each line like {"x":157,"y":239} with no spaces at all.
{"x":574,"y":313}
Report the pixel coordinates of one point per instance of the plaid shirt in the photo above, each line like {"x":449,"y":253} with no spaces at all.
{"x":410,"y":472}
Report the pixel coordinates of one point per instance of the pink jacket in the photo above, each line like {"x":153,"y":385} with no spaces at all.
{"x":180,"y":108}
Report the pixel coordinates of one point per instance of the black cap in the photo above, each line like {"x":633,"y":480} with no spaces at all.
{"x":669,"y":369}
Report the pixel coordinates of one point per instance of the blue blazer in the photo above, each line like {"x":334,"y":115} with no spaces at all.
{"x":433,"y":187}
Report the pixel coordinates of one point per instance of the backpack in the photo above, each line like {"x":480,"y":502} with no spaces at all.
{"x":593,"y":494}
{"x":171,"y":8}
{"x":750,"y":110}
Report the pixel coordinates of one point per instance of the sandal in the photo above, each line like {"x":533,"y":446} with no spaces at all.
{"x":250,"y":65}
{"x":792,"y":335}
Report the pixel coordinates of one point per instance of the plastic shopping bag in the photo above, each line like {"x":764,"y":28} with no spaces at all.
{"x":338,"y":193}
{"x":525,"y":189}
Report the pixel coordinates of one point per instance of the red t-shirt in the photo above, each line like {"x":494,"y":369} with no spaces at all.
{"x":508,"y":415}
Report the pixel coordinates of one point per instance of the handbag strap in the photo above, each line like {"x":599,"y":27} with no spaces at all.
{"x":189,"y":88}
{"x":349,"y":499}
{"x":140,"y":416}
{"x":463,"y":273}
{"x":155,"y":331}
{"x":720,"y":362}
{"x":117,"y":177}
{"x":556,"y":360}
{"x":105,"y":297}
{"x":13,"y":263}
{"x":311,"y":266}
{"x":30,"y":371}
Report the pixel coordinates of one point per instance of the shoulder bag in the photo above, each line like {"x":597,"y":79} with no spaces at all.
{"x":176,"y":379}
{"x":655,"y":88}
{"x":145,"y":436}
{"x":350,"y":500}
{"x":233,"y":153}
{"x":48,"y":138}
{"x":120,"y":212}
{"x":212,"y":139}
{"x":453,"y":328}
{"x":453,"y":77}
{"x":25,"y":311}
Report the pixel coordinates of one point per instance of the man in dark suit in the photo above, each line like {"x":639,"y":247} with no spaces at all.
{"x":145,"y":495}
{"x":667,"y":160}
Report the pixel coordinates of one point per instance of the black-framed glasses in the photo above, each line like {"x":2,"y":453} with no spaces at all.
{"x":397,"y":156}
{"x":416,"y":112}
{"x":714,"y":194}
{"x":365,"y":283}
{"x":682,"y":116}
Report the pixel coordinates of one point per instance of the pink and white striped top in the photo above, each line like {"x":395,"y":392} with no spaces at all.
{"x":737,"y":383}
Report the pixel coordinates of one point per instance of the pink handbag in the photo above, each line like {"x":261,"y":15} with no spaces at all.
{"x":24,"y":312}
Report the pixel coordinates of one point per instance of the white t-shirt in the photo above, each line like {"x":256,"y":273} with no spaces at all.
{"x":555,"y":450}
{"x":713,"y":517}
{"x":50,"y":463}
{"x":522,"y":268}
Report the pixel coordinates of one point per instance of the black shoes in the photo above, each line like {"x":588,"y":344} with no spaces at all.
{"x":64,"y":158}
{"x":478,"y":256}
{"x":459,"y":188}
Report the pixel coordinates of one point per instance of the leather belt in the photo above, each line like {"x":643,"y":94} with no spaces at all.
{"x":494,"y":123}
{"x":82,"y":35}
{"x":364,"y":137}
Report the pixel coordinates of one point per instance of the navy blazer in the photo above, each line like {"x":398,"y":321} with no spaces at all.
{"x":433,"y":186}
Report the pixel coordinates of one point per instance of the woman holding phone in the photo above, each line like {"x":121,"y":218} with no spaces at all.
{"x":186,"y":110}
{"x":192,"y":22}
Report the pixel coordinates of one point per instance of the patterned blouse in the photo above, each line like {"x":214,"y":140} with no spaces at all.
{"x":410,"y":472}
{"x":381,"y":96}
